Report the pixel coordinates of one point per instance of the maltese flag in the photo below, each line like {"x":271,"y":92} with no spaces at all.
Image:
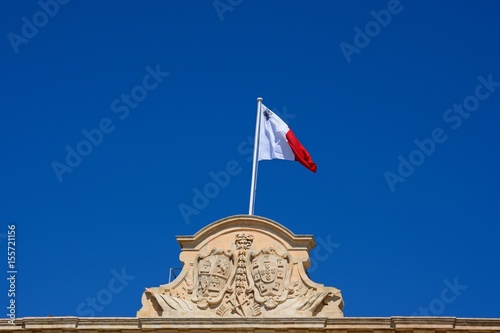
{"x":277,"y":141}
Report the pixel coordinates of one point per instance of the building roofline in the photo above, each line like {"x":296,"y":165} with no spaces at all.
{"x":346,"y":324}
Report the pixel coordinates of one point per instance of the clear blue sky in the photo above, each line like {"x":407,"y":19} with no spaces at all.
{"x":397,"y":102}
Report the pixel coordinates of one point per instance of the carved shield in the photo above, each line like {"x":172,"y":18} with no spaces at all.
{"x":212,"y":273}
{"x":269,"y":272}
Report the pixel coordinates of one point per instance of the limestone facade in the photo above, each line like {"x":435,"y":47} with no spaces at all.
{"x":243,"y":266}
{"x":252,"y":325}
{"x":246,"y":274}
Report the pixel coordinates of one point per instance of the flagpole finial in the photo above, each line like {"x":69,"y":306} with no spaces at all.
{"x":259,"y":99}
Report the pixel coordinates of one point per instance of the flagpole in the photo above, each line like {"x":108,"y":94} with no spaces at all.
{"x":253,"y":186}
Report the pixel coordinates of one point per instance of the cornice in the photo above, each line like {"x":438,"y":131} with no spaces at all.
{"x":172,"y":325}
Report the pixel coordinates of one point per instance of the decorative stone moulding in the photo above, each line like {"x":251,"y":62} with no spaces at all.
{"x":243,"y":266}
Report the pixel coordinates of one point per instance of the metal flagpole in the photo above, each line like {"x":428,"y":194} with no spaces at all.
{"x":253,"y":186}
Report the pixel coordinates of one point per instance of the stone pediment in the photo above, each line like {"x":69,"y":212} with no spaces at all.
{"x":243,"y":266}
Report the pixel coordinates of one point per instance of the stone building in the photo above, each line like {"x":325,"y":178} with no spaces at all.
{"x":246,"y":273}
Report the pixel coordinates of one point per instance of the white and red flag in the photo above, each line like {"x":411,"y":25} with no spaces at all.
{"x":277,"y":141}
{"x":274,"y":140}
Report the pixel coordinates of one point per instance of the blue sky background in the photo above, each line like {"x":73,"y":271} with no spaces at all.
{"x":391,"y":249}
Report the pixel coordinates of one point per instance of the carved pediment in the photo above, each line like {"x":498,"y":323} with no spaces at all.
{"x":243,"y":266}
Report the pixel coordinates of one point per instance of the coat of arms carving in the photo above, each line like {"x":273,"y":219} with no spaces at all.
{"x":260,"y":271}
{"x":270,"y":274}
{"x":212,"y":273}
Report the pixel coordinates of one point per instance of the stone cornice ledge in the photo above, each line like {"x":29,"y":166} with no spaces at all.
{"x":351,"y":324}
